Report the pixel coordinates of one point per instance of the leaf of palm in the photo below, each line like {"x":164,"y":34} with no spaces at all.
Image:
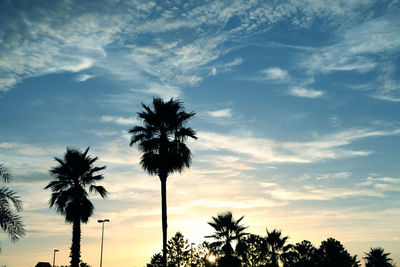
{"x":7,"y":195}
{"x":4,"y":173}
{"x":11,"y":223}
{"x":98,"y":189}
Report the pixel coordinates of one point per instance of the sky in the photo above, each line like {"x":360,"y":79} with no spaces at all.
{"x":297,"y":112}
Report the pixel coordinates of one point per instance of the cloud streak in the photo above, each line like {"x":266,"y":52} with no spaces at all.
{"x":265,"y":150}
{"x":306,"y":93}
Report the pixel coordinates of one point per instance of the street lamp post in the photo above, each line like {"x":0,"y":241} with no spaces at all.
{"x":54,"y":257}
{"x":102,"y":237}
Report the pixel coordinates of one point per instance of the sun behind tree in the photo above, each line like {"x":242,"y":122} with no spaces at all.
{"x":162,"y":141}
{"x":226,"y":231}
{"x":72,"y":177}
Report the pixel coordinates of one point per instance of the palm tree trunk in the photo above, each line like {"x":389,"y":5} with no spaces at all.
{"x":76,"y":243}
{"x":164,"y":217}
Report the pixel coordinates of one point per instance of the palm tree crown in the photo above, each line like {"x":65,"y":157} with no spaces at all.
{"x":70,"y":197}
{"x":227,"y":230}
{"x":277,"y":242}
{"x":162,"y":138}
{"x":10,"y":205}
{"x":376,"y":257}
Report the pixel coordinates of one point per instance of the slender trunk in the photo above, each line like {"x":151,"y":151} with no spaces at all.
{"x":164,"y":217}
{"x":274,"y":258}
{"x":76,"y":243}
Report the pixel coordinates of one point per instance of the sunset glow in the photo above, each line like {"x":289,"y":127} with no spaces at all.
{"x":297,"y":114}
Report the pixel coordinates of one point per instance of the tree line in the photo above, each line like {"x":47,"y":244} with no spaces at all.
{"x":232,"y":246}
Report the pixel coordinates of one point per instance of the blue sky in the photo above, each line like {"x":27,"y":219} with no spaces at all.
{"x":297,"y":114}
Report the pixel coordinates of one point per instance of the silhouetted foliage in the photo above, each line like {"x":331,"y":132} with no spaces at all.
{"x":376,"y":257}
{"x":254,"y":250}
{"x":10,"y":206}
{"x":156,"y":261}
{"x":178,"y":251}
{"x":162,"y":139}
{"x":201,"y":255}
{"x":71,"y":179}
{"x":227,"y":231}
{"x":257,"y":251}
{"x":331,"y":253}
{"x":276,"y":242}
{"x":300,"y":255}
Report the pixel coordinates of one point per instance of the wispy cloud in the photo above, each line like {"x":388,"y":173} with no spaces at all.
{"x":84,"y":77}
{"x":358,"y":49}
{"x":275,"y":73}
{"x":226,"y":112}
{"x":306,"y":93}
{"x":74,"y":41}
{"x":323,"y":194}
{"x":382,"y":184}
{"x":265,"y":150}
{"x":119,"y":120}
{"x":327,"y":176}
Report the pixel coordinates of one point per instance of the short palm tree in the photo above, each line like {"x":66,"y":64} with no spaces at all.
{"x":10,"y":205}
{"x":72,"y":177}
{"x":227,"y":231}
{"x":277,"y":242}
{"x":376,"y":257}
{"x":161,"y":139}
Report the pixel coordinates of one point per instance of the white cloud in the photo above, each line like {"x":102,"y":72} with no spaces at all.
{"x":227,"y":66}
{"x":213,"y":71}
{"x":275,"y":74}
{"x":84,"y":64}
{"x":226,"y":112}
{"x":119,"y":120}
{"x":306,"y":93}
{"x":74,"y":41}
{"x":359,"y":48}
{"x":382,"y":183}
{"x":322,"y":193}
{"x":84,"y":77}
{"x":327,"y":176}
{"x":265,"y":150}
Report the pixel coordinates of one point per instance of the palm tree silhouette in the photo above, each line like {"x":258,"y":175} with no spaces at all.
{"x":72,"y":177}
{"x":162,"y":141}
{"x":277,"y":242}
{"x":10,"y":205}
{"x":376,"y":257}
{"x":227,"y":230}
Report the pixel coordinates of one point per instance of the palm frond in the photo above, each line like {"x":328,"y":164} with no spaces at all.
{"x":7,"y":195}
{"x":5,"y":174}
{"x":98,"y":189}
{"x":11,"y":223}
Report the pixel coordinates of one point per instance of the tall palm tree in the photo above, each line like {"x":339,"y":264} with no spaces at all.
{"x":227,"y":230}
{"x":162,"y":141}
{"x":10,"y":205}
{"x":72,"y":178}
{"x":277,"y":242}
{"x":376,"y":257}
